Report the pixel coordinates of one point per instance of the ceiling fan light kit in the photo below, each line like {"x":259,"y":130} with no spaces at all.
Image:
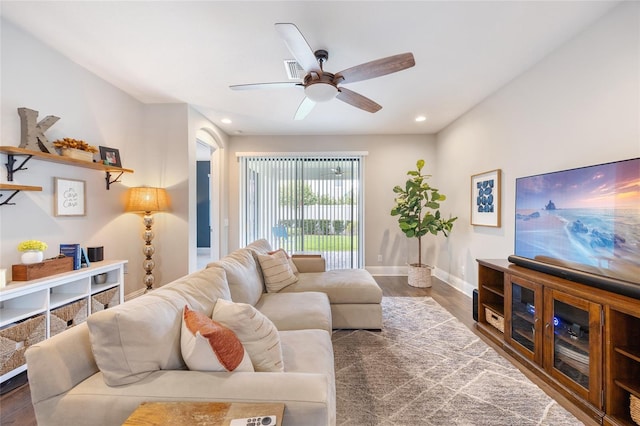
{"x":320,"y":91}
{"x":321,"y":86}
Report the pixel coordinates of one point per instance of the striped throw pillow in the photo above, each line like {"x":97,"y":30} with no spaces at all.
{"x":276,"y":271}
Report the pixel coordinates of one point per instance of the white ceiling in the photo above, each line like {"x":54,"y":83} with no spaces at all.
{"x":177,"y":51}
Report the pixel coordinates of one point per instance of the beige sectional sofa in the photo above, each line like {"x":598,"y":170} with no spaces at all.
{"x":98,"y":372}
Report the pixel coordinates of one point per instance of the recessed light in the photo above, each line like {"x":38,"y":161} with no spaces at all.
{"x":420,"y":118}
{"x":226,"y":121}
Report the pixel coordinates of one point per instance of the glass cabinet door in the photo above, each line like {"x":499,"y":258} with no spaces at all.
{"x":523,"y":317}
{"x":573,"y":343}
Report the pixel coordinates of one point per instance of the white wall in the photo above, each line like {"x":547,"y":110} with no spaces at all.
{"x":156,"y":141}
{"x":36,"y":77}
{"x":579,"y":106}
{"x":389,"y":158}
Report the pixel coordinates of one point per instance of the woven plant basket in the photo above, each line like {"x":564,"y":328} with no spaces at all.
{"x":635,"y":409}
{"x":105,"y":299}
{"x":419,"y":276}
{"x":16,"y":338}
{"x":68,"y":316}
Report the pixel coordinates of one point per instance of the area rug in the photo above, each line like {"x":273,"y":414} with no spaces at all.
{"x":425,"y":367}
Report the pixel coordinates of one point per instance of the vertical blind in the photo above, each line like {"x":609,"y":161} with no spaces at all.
{"x":304,"y":204}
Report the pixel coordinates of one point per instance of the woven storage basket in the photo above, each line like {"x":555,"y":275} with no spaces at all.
{"x":67,"y":316}
{"x":16,"y":338}
{"x":494,"y":319}
{"x":105,"y":299}
{"x":635,"y":409}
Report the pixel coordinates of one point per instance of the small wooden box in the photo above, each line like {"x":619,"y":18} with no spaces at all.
{"x":42,"y":269}
{"x":77,"y":154}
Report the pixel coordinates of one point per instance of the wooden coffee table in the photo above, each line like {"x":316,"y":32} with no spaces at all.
{"x":200,"y":413}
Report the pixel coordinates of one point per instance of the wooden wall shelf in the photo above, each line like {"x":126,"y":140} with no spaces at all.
{"x":15,"y":189}
{"x":13,"y":151}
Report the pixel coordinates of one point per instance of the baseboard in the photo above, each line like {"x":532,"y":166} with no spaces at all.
{"x":455,"y":282}
{"x":134,"y":294}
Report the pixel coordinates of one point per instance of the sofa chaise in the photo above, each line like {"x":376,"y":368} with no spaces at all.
{"x":354,"y":295}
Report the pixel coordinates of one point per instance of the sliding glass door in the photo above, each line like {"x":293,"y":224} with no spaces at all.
{"x":304,"y":204}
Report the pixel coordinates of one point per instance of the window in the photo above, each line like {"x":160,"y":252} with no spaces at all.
{"x":304,"y":204}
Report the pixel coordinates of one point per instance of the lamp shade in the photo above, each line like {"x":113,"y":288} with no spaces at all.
{"x":145,"y":199}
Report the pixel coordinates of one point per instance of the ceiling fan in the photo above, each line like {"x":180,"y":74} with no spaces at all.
{"x":335,"y":171}
{"x":322,"y":86}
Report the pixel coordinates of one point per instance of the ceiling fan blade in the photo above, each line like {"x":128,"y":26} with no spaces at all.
{"x":376,"y":68}
{"x":298,"y":46}
{"x":283,"y":85}
{"x":304,"y":109}
{"x":357,"y":100}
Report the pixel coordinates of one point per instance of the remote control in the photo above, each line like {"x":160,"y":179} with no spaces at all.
{"x":255,"y":421}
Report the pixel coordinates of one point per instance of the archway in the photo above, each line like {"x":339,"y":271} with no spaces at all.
{"x":208,"y":190}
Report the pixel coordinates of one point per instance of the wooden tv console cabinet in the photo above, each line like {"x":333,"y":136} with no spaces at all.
{"x":581,"y":340}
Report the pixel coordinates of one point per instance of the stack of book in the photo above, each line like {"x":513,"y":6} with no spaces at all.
{"x":77,"y":253}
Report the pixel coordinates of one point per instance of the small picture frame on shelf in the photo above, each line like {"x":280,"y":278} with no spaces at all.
{"x":110,"y":156}
{"x":69,"y":197}
{"x":485,"y":199}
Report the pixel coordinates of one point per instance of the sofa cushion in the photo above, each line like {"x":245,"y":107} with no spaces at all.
{"x":209,"y":346}
{"x":276,"y":271}
{"x":308,"y":351}
{"x":243,"y":275}
{"x":131,"y":340}
{"x":341,"y":285}
{"x":297,"y":311}
{"x":257,"y":333}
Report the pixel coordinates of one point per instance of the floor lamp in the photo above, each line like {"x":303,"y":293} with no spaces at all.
{"x":147,"y":200}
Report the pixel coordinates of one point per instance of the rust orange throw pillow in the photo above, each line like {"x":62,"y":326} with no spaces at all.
{"x":209,"y":346}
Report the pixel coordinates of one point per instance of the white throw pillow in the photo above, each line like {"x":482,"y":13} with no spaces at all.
{"x":256,"y":332}
{"x":276,"y":271}
{"x":209,"y":346}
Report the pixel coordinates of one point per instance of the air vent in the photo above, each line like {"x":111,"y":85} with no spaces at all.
{"x":294,"y":70}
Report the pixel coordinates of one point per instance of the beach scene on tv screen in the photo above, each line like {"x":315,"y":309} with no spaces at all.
{"x":586,"y":219}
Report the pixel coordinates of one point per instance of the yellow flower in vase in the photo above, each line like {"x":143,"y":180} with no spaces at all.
{"x":32,"y":251}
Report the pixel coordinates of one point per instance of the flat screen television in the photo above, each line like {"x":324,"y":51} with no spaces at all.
{"x":582,"y":224}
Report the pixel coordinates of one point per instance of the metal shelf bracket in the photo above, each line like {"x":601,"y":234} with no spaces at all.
{"x":110,"y":181}
{"x":6,"y":202}
{"x":11,"y":161}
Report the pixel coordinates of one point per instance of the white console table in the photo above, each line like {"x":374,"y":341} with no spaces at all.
{"x":32,"y":311}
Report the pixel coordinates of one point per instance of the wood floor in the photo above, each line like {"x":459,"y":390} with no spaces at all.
{"x":15,"y":404}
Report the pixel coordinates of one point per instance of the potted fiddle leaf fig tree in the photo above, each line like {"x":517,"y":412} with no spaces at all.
{"x":418,"y":210}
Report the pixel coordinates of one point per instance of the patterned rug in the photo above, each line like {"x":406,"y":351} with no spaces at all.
{"x":427,"y":368}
